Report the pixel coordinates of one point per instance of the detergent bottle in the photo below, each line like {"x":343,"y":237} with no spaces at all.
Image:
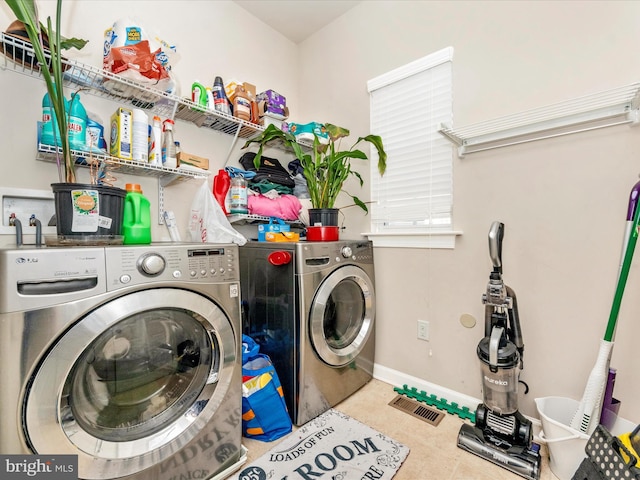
{"x":50,"y":134}
{"x":77,"y":123}
{"x":136,"y":220}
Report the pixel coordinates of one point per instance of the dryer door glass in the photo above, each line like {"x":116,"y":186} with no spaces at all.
{"x":342,"y":315}
{"x":140,"y":374}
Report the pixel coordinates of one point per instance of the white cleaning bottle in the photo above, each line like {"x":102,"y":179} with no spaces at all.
{"x":155,"y":143}
{"x":140,"y":147}
{"x":169,"y":159}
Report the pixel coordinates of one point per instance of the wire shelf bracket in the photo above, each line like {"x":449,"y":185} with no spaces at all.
{"x":618,"y":106}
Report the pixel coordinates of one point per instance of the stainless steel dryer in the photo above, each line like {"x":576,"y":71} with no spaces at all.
{"x":126,"y":356}
{"x":311,"y":307}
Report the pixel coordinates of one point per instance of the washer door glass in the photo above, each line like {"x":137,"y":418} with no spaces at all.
{"x":139,"y":375}
{"x":342,"y":315}
{"x":143,"y":372}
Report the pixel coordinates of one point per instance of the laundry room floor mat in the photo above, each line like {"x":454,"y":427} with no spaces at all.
{"x":332,"y":446}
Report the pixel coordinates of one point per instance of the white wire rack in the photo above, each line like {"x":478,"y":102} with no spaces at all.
{"x":19,"y":58}
{"x":599,"y":110}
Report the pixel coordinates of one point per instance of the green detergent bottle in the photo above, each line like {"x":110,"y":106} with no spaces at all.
{"x":136,"y":222}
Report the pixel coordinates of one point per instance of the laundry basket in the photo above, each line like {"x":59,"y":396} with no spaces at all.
{"x":566,"y":445}
{"x":604,"y":452}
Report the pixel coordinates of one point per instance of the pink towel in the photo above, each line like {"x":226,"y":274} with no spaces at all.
{"x":286,"y":207}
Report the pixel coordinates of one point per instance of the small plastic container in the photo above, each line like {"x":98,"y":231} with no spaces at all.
{"x":238,"y":195}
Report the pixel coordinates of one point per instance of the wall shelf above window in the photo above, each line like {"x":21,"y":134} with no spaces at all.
{"x":604,"y":109}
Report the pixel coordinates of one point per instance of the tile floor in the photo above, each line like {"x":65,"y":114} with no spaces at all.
{"x":434,"y":453}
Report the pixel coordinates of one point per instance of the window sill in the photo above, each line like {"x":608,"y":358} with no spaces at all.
{"x":443,"y":239}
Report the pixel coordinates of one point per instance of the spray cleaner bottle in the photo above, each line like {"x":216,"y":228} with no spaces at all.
{"x":169,"y":158}
{"x":155,"y":143}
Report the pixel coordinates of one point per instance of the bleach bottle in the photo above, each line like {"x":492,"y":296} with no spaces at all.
{"x":136,"y":220}
{"x":50,"y":133}
{"x":77,"y":122}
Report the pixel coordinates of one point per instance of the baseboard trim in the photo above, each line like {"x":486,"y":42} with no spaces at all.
{"x":399,"y":379}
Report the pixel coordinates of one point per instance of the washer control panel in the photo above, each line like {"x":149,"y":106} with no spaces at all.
{"x":206,"y":263}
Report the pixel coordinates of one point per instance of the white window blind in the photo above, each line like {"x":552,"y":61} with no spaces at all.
{"x":415,"y":195}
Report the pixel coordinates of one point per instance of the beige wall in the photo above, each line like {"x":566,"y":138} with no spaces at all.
{"x":212,"y":38}
{"x":563,"y":201}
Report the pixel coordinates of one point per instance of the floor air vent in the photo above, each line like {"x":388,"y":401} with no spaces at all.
{"x":418,"y":410}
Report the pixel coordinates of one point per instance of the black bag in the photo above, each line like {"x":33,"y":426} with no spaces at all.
{"x":270,"y":170}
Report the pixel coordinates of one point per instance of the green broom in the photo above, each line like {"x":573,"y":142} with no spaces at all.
{"x":587,"y":416}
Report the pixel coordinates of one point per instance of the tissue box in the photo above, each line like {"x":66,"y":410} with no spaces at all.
{"x":271,"y":227}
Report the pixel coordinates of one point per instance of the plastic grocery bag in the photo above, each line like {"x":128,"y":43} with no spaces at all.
{"x":207,"y":221}
{"x":129,"y":51}
{"x":264,"y":413}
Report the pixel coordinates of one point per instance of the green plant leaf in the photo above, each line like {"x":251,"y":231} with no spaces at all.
{"x":326,"y":167}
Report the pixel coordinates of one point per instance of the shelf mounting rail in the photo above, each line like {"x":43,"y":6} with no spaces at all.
{"x":604,"y":109}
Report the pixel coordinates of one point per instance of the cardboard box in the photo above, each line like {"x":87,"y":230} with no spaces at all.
{"x":276,"y":112}
{"x":250,"y":89}
{"x":282,"y":237}
{"x":271,"y":227}
{"x":122,"y":134}
{"x":193,"y":160}
{"x":272,"y":98}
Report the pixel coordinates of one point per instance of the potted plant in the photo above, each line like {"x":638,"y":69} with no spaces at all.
{"x":325,"y":167}
{"x":41,"y":37}
{"x":78,"y":206}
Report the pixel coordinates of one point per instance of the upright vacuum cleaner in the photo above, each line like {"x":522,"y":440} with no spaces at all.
{"x":501,"y":434}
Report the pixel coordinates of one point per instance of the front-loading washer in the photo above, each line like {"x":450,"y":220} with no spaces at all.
{"x":311,"y":307}
{"x":126,"y":356}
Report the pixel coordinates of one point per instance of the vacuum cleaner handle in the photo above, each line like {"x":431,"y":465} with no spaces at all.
{"x":515,"y":332}
{"x":496,"y":233}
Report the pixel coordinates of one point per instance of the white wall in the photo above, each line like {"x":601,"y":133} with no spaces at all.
{"x":212,"y":38}
{"x":563,"y":201}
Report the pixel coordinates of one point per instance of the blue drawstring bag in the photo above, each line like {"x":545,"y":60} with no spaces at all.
{"x":264,"y":412}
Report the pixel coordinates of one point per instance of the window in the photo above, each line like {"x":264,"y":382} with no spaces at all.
{"x":412,"y":202}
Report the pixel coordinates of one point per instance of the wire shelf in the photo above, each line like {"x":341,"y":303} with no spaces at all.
{"x":47,"y":153}
{"x":19,"y":57}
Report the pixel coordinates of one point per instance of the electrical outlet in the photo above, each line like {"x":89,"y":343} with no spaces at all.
{"x":423,"y":330}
